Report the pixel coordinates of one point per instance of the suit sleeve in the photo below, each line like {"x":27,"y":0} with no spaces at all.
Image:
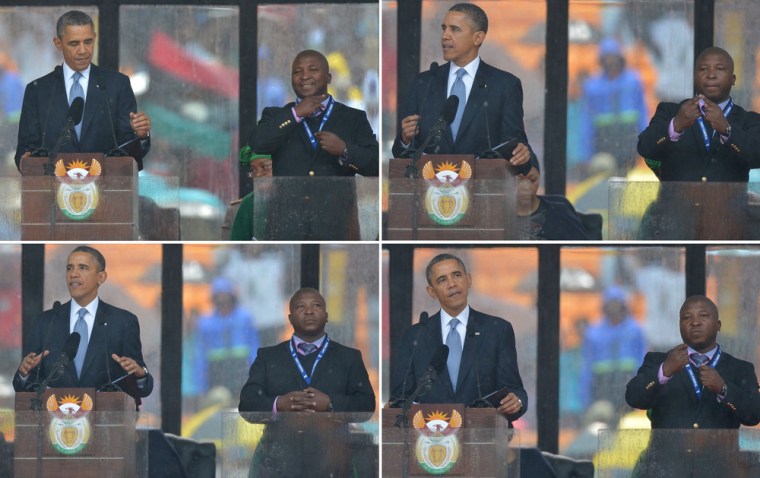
{"x":512,"y":124}
{"x":743,"y":397}
{"x":508,"y":372}
{"x":744,"y":141}
{"x":272,"y":130}
{"x":643,"y":389}
{"x":654,"y":142}
{"x":359,"y":395}
{"x":131,"y":347}
{"x":363,"y":149}
{"x":34,"y":344}
{"x":126,"y":104}
{"x":253,"y":396}
{"x":411,"y":107}
{"x":29,"y":130}
{"x":403,"y":379}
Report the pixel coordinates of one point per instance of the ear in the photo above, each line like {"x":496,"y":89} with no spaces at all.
{"x":469,"y":280}
{"x":480,"y":37}
{"x":719,"y":324}
{"x":431,"y":292}
{"x":733,"y":80}
{"x":102,"y":276}
{"x":329,"y":78}
{"x":326,"y":317}
{"x":57,"y":43}
{"x":290,"y":319}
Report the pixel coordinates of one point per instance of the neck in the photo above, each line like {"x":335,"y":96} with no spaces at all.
{"x":704,"y":348}
{"x":454,"y":312}
{"x":309,"y":337}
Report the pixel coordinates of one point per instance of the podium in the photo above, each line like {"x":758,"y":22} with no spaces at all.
{"x":89,"y":434}
{"x":85,"y":196}
{"x":455,"y":197}
{"x":483,"y":443}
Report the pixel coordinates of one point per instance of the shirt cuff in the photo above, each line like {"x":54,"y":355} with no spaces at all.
{"x":295,"y":115}
{"x":661,"y":376}
{"x":274,"y":406}
{"x":674,"y":135}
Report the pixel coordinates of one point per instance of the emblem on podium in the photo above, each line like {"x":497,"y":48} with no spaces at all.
{"x":70,"y":429}
{"x":448,"y":196}
{"x":437,"y":449}
{"x":78,"y":192}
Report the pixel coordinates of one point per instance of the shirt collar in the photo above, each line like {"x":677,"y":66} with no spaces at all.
{"x":710,"y":353}
{"x":297,"y":340}
{"x":471,"y":67}
{"x":68,"y":72}
{"x":324,"y":102}
{"x":463,"y":317}
{"x":92,"y":307}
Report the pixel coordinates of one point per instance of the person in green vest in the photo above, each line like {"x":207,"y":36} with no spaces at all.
{"x":243,"y":228}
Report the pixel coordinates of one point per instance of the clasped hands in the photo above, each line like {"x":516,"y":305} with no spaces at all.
{"x":678,"y":358}
{"x":690,"y":111}
{"x":307,"y":400}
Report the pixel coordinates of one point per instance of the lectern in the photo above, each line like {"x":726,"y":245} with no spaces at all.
{"x":79,"y":432}
{"x":80,"y":196}
{"x":454,"y":197}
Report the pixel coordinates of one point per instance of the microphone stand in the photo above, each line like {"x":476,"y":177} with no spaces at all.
{"x":402,"y":419}
{"x":36,"y":406}
{"x":412,"y":172}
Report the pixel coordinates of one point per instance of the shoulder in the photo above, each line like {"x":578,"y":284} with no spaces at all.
{"x":491,"y":321}
{"x":345,"y":109}
{"x":338,"y":347}
{"x":656,"y":357}
{"x":495,"y":74}
{"x":553,"y":200}
{"x":736,"y":362}
{"x":113,"y":311}
{"x":107,"y":75}
{"x":281,"y":348}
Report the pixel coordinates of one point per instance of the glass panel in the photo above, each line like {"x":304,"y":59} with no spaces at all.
{"x":252,"y":284}
{"x":732,"y":282}
{"x":315,"y":209}
{"x":650,"y":210}
{"x":615,"y":305}
{"x":735,"y":31}
{"x":23,"y":30}
{"x":665,"y":453}
{"x":133,"y":283}
{"x":623,"y":58}
{"x":346,"y":34}
{"x":504,"y":283}
{"x":299,"y":444}
{"x":389,"y":12}
{"x":10,"y":327}
{"x":183,"y":64}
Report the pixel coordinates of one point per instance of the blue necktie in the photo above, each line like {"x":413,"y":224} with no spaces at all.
{"x":454,"y":341}
{"x":459,"y":90}
{"x":76,"y":91}
{"x":307,"y":348}
{"x":81,"y":328}
{"x":698,"y":359}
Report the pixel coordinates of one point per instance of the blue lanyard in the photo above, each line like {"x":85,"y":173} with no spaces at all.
{"x":693,"y":377}
{"x":307,"y":377}
{"x":701,"y":121}
{"x":325,"y":116}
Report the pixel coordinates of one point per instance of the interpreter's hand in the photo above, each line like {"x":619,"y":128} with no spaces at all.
{"x":129,"y":365}
{"x":710,"y":378}
{"x":714,"y":115}
{"x":140,"y":124}
{"x":687,"y":115}
{"x":295,"y":401}
{"x":330,"y":142}
{"x":309,"y":105}
{"x":409,"y":129}
{"x":677,"y":359}
{"x":520,"y":155}
{"x":510,"y":404}
{"x":30,"y":361}
{"x":320,"y":399}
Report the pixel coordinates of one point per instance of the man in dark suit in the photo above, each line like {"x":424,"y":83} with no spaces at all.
{"x":486,"y":346}
{"x":492,"y":102}
{"x":694,"y":386}
{"x":309,"y":372}
{"x":110,"y":108}
{"x":316,"y":136}
{"x":105,"y":330}
{"x":707,"y":138}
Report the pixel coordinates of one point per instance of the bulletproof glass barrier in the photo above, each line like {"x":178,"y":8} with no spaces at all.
{"x":298,"y":444}
{"x":449,"y":440}
{"x":455,"y":198}
{"x":87,"y":197}
{"x":315,"y":209}
{"x":674,"y":210}
{"x":664,"y":453}
{"x":69,"y":436}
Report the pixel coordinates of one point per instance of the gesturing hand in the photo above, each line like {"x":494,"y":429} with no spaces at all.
{"x":677,"y":359}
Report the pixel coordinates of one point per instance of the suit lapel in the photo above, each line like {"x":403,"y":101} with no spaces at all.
{"x":295,"y":375}
{"x":59,"y":109}
{"x":61,"y":332}
{"x":94,"y":346}
{"x":441,"y":91}
{"x":434,"y":341}
{"x":471,"y":346}
{"x":94,"y":97}
{"x":475,"y":101}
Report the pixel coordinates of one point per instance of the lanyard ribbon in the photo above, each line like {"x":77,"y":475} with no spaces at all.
{"x":325,"y":116}
{"x":703,"y":128}
{"x":307,"y":377}
{"x":693,"y":377}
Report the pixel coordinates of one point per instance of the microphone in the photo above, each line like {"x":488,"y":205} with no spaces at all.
{"x":436,"y":366}
{"x":397,"y":402}
{"x":73,"y":117}
{"x":110,"y":386}
{"x":409,"y":150}
{"x":116,"y":151}
{"x":76,"y":109}
{"x":41,"y":152}
{"x":68,"y":352}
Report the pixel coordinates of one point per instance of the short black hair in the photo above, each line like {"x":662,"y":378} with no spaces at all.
{"x":316,"y":54}
{"x":95,"y":255}
{"x":476,"y":14}
{"x":301,"y":291}
{"x":72,"y":18}
{"x":711,"y":50}
{"x":703,"y":299}
{"x":440,"y":258}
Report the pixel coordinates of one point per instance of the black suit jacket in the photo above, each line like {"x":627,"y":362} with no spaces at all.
{"x":675,"y":405}
{"x":340,"y":374}
{"x":114,"y":328}
{"x":502,"y":118}
{"x":489,"y":357}
{"x":45,"y":107}
{"x":278,"y":134}
{"x":689,"y":160}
